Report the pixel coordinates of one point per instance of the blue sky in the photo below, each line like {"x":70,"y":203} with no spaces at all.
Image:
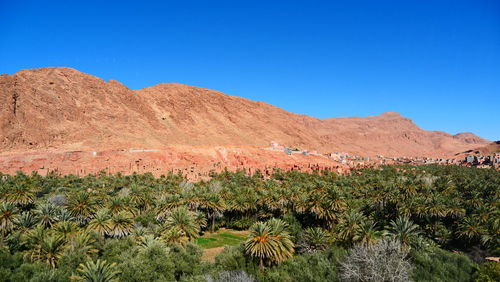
{"x":436,"y":62}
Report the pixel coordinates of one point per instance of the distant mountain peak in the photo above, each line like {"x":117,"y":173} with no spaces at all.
{"x":470,"y":138}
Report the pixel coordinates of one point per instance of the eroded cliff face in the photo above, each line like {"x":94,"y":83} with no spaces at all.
{"x":194,"y":163}
{"x":63,"y":110}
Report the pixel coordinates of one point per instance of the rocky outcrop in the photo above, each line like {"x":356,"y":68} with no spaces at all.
{"x":194,"y":163}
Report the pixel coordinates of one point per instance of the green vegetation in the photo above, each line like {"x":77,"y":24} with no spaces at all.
{"x":220,"y":239}
{"x":437,"y":222}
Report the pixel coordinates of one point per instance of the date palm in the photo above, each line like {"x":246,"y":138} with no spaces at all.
{"x":82,"y":207}
{"x":404,"y":230}
{"x":349,"y":225}
{"x":20,"y":195}
{"x":213,"y":205}
{"x":26,"y":220}
{"x":200,"y":219}
{"x":119,"y":204}
{"x":368,"y":234}
{"x":8,"y":214}
{"x":315,"y":239}
{"x":281,"y":235}
{"x":100,"y":271}
{"x":34,"y":237}
{"x":47,"y":215}
{"x":82,"y":242}
{"x":166,"y":204}
{"x":51,"y":249}
{"x":101,"y":223}
{"x":65,"y":228}
{"x":64,"y":215}
{"x":261,"y":243}
{"x":183,"y":220}
{"x":148,"y":241}
{"x":174,"y":236}
{"x":44,"y":247}
{"x":140,"y":198}
{"x":140,"y":231}
{"x":121,"y":225}
{"x":470,"y":228}
{"x":269,"y":241}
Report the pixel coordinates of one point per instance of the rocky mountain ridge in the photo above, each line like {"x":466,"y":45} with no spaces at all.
{"x":62,"y":108}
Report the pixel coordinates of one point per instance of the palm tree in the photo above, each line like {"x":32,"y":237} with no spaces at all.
{"x":368,"y":234}
{"x":84,"y":243}
{"x":47,"y":215}
{"x":82,"y":207}
{"x":349,"y":226}
{"x":65,"y":228}
{"x":140,"y":231}
{"x":121,"y":225}
{"x":8,"y":214}
{"x":200,"y":219}
{"x":315,"y":239}
{"x":404,"y":230}
{"x":101,"y":223}
{"x":140,"y":199}
{"x":47,"y":249}
{"x":20,"y":195}
{"x":261,"y":243}
{"x":183,"y":220}
{"x":64,"y":215}
{"x":25,"y":221}
{"x":34,"y":237}
{"x":166,"y":204}
{"x":213,"y":205}
{"x":116,"y":204}
{"x":52,"y":249}
{"x":174,"y":236}
{"x":100,"y":271}
{"x":149,"y":240}
{"x":470,"y":228}
{"x":281,"y":235}
{"x":269,"y":241}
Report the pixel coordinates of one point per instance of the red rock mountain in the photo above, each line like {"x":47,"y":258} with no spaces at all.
{"x":61,"y":108}
{"x":60,"y":118}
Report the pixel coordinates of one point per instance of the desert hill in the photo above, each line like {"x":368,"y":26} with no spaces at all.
{"x":64,"y":109}
{"x":490,"y":149}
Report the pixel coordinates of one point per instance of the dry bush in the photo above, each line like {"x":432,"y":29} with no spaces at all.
{"x":384,"y":261}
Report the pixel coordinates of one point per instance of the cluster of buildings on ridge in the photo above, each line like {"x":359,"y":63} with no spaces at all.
{"x":471,"y":160}
{"x":480,"y":161}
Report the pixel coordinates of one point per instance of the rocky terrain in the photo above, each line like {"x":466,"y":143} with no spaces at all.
{"x":60,"y":118}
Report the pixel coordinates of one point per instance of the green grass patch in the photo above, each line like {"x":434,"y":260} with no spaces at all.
{"x":220,"y":239}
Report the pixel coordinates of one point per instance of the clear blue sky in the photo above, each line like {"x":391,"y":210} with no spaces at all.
{"x":436,"y":62}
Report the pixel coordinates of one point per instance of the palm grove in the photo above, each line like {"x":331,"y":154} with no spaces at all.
{"x":429,"y":223}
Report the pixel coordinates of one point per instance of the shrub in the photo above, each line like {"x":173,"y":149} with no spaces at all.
{"x":114,"y":249}
{"x":294,"y":226}
{"x":488,"y":272}
{"x":441,"y":265}
{"x":58,"y":200}
{"x":8,"y":263}
{"x":233,"y":258}
{"x":152,"y":263}
{"x":186,"y":259}
{"x":231,"y":276}
{"x":27,"y":271}
{"x":319,"y":266}
{"x":384,"y":261}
